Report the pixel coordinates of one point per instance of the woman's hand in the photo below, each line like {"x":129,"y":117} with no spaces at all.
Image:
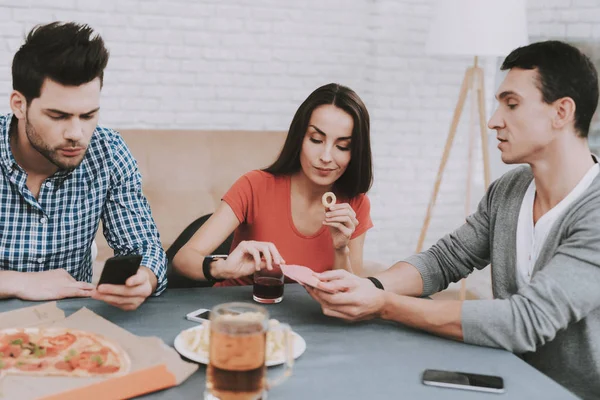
{"x":247,"y":257}
{"x":342,"y":223}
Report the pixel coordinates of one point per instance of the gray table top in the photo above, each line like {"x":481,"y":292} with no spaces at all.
{"x":366,"y":360}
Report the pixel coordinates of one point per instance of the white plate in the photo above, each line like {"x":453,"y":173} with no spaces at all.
{"x":180,"y":346}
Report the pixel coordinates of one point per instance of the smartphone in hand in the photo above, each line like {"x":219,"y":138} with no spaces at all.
{"x":118,"y":269}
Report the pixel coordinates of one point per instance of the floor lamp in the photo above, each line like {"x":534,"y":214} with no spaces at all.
{"x":472,"y":28}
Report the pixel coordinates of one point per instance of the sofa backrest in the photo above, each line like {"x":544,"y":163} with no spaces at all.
{"x":185,"y":173}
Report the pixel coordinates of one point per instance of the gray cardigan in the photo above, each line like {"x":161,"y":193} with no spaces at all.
{"x":554,"y":322}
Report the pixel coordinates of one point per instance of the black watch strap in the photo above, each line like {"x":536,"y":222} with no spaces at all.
{"x":206,"y":267}
{"x":376,"y":282}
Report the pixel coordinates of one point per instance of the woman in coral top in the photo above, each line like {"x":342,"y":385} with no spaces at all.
{"x":277,"y":213}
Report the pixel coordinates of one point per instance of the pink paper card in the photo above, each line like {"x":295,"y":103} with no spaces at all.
{"x":304,"y":275}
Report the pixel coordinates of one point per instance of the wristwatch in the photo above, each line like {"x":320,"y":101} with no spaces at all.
{"x":206,"y":266}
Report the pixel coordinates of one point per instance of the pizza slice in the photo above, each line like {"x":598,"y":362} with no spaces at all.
{"x":61,"y":352}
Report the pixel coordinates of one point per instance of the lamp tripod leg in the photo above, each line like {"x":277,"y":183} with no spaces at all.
{"x":466,"y":84}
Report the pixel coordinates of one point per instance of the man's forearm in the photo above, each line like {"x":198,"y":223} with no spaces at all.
{"x":341,"y":259}
{"x":440,"y":317}
{"x":402,"y":278}
{"x":10,"y":282}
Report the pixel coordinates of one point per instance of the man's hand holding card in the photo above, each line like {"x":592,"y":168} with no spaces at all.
{"x":347,"y":296}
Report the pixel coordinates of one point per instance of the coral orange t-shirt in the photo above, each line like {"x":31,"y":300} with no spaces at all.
{"x":262,"y":204}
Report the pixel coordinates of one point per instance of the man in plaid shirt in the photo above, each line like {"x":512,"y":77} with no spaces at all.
{"x":60,"y":174}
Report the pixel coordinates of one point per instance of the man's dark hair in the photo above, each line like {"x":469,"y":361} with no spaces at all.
{"x":358,"y":176}
{"x":68,"y":53}
{"x":563,"y":71}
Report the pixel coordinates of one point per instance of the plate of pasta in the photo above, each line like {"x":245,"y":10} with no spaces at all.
{"x":193,"y":344}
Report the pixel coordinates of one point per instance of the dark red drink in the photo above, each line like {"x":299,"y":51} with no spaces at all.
{"x":268,"y":289}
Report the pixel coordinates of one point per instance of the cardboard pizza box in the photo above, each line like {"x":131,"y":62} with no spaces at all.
{"x":154,"y":365}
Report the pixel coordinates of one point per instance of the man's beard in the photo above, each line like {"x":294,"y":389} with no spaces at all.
{"x":51,"y":154}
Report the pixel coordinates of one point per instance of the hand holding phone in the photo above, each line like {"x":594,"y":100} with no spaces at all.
{"x":463,"y":380}
{"x":118,"y":269}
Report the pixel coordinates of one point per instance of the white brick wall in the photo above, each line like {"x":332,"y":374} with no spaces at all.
{"x":564,"y":19}
{"x":242,"y":64}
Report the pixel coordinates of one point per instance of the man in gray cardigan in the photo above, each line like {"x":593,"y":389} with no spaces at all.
{"x":538,"y":225}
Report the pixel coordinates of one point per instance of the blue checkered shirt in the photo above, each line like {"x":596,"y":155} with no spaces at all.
{"x":56,"y":230}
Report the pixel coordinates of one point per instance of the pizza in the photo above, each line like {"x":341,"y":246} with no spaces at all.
{"x":60,"y":352}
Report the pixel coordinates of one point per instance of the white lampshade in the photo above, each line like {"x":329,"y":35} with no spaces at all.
{"x":477,"y":27}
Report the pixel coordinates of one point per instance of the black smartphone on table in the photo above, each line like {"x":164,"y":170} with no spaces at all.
{"x":120,"y":268}
{"x":463,"y":380}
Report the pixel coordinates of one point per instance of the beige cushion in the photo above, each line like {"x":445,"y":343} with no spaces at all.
{"x":185,"y":173}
